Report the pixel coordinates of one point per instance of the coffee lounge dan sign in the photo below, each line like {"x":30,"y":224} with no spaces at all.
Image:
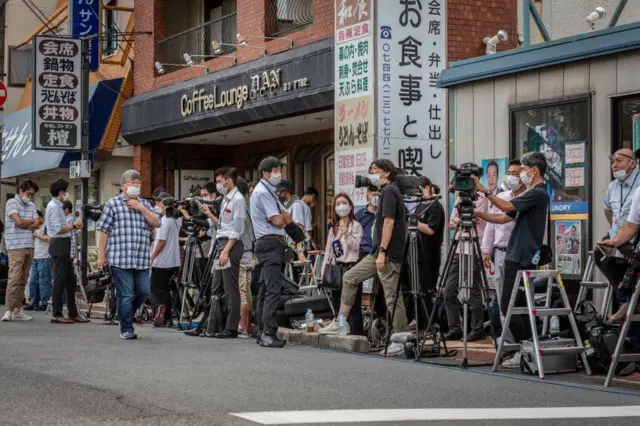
{"x":263,"y":85}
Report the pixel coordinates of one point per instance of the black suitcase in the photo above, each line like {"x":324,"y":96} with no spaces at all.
{"x":318,"y":303}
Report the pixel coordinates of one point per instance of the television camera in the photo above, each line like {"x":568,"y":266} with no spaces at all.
{"x":409,"y":185}
{"x":462,"y":183}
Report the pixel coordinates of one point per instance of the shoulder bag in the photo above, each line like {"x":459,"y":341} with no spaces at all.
{"x":332,"y":276}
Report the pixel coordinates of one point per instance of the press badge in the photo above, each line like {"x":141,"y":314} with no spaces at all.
{"x":337,"y":248}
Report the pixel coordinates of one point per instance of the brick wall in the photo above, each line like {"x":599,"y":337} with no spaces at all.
{"x":472,"y":20}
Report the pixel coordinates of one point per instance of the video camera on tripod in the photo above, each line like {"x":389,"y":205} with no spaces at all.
{"x":93,"y":212}
{"x":192,"y":205}
{"x":409,"y":185}
{"x":463,"y":183}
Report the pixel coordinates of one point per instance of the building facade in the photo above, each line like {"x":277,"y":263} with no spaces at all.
{"x":226,"y":82}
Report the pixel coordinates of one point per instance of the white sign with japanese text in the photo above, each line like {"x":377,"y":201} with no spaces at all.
{"x":349,"y":164}
{"x":412,"y":116}
{"x":57,"y":96}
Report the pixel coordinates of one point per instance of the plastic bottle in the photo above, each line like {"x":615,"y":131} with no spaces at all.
{"x":310,"y":321}
{"x":536,"y":258}
{"x":554,"y":325}
{"x":343,"y":326}
{"x":588,"y":349}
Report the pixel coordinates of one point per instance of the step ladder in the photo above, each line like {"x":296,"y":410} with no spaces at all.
{"x":587,"y":284}
{"x":523,"y":283}
{"x":631,"y":317}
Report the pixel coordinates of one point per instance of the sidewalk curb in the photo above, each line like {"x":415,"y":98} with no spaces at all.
{"x":358,"y":344}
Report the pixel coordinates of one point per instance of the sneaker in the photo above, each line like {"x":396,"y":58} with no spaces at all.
{"x":455,"y":334}
{"x":394,"y":349}
{"x":7,"y":316}
{"x":332,"y":328}
{"x":158,"y":321}
{"x":475,"y":336}
{"x":272,"y":342}
{"x":513,"y":362}
{"x":20,"y":316}
{"x":412,"y":325}
{"x":128,"y":335}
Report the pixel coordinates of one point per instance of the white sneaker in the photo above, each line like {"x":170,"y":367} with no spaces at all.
{"x":7,"y":316}
{"x":332,"y":328}
{"x":20,"y":316}
{"x":394,"y":349}
{"x":513,"y":362}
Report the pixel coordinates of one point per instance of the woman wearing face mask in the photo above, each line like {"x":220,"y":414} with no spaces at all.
{"x":165,"y":261}
{"x":343,"y":248}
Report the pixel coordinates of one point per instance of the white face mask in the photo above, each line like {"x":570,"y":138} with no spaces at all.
{"x":275,"y":179}
{"x":222,"y":190}
{"x":158,"y":209}
{"x":25,"y":199}
{"x":343,"y":210}
{"x":513,"y":182}
{"x":374,"y":200}
{"x":375,"y":180}
{"x":65,"y":197}
{"x":620,"y":175}
{"x":133,"y":191}
{"x":525,"y":178}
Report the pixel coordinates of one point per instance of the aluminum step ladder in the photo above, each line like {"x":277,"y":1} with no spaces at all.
{"x":631,"y":317}
{"x":587,"y":284}
{"x":523,"y":283}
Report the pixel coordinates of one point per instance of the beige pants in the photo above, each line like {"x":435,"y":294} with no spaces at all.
{"x":389,"y":277}
{"x":20,"y":261}
{"x":244,"y":282}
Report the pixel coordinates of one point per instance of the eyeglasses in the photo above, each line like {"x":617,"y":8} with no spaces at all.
{"x":612,"y":157}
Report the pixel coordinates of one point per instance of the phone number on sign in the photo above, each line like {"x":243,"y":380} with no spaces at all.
{"x":348,"y":161}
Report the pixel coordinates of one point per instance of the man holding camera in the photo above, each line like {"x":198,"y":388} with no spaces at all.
{"x":123,"y":236}
{"x":387,"y":255}
{"x":529,"y":211}
{"x":463,"y":251}
{"x":296,"y":207}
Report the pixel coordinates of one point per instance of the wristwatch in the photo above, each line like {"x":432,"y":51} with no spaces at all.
{"x":382,"y":250}
{"x":488,"y":192}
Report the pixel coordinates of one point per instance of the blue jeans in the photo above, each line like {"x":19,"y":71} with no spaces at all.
{"x":40,"y":282}
{"x":132,"y":289}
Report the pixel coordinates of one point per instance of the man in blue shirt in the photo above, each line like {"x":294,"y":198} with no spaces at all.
{"x":366,"y":216}
{"x":64,"y":277}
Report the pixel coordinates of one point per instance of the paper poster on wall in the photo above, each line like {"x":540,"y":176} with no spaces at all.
{"x":574,"y":152}
{"x":495,"y":173}
{"x":568,"y":246}
{"x":574,"y":177}
{"x":187,"y":181}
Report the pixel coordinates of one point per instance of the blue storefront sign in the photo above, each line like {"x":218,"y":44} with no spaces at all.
{"x":85,"y":23}
{"x":569,"y":207}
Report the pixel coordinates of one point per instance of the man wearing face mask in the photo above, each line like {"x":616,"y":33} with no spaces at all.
{"x":64,"y":277}
{"x":499,"y":229}
{"x":529,"y":211}
{"x":123,"y":236}
{"x":617,"y":206}
{"x":366,"y":216}
{"x":21,"y":219}
{"x":269,"y":218}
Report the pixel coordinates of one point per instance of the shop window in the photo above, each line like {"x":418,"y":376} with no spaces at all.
{"x":283,"y":16}
{"x":561,"y":130}
{"x":20,"y":64}
{"x":109,"y":31}
{"x":626,"y":121}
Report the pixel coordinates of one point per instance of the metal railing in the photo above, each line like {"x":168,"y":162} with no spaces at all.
{"x":197,"y":41}
{"x":283,"y":16}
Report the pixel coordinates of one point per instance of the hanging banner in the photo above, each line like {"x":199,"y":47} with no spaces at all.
{"x":85,"y":23}
{"x":354,"y":94}
{"x":412,"y":117}
{"x":57,"y":93}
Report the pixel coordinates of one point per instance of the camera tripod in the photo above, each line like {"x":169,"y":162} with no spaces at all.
{"x":418,"y":296}
{"x":467,"y":235}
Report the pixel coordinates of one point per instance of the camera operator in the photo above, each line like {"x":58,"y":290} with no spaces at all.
{"x":310,"y":199}
{"x":296,"y":207}
{"x":229,"y":247}
{"x":529,"y":211}
{"x":123,"y":237}
{"x":496,"y":235}
{"x":205,"y":213}
{"x":617,"y":206}
{"x":387,"y":254}
{"x":452,"y":306}
{"x":269,"y":219}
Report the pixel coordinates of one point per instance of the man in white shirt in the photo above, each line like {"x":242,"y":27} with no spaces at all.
{"x":21,"y":219}
{"x":496,"y":234}
{"x":40,"y":274}
{"x":295,"y":207}
{"x":229,"y":247}
{"x":310,"y":199}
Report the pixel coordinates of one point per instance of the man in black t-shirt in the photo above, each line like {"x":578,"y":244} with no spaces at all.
{"x":529,"y":210}
{"x":387,"y":255}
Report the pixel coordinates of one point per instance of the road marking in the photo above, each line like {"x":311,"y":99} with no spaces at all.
{"x":436,"y":414}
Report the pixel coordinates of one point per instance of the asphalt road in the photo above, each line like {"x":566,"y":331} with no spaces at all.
{"x":85,"y":374}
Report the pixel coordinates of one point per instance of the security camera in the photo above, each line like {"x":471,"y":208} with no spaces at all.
{"x":492,"y":42}
{"x":159,"y":68}
{"x":597,"y":14}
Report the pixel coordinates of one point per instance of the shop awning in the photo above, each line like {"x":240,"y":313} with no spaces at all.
{"x":17,"y":154}
{"x":584,"y":46}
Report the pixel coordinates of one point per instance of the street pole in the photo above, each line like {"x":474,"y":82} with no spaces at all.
{"x":85,"y":157}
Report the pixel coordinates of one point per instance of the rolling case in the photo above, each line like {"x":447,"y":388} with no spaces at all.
{"x":552,"y":364}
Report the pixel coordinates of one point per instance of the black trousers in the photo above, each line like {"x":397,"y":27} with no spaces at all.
{"x":269,"y":251}
{"x":518,"y":327}
{"x":160,"y":289}
{"x":613,"y":268}
{"x":229,"y":279}
{"x":451,"y":291}
{"x":428,"y":280}
{"x":64,"y":277}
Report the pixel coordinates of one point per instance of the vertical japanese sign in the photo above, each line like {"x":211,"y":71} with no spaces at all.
{"x":636,"y":132}
{"x":57,"y":98}
{"x":85,"y":23}
{"x":354,"y":94}
{"x":411,"y":53}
